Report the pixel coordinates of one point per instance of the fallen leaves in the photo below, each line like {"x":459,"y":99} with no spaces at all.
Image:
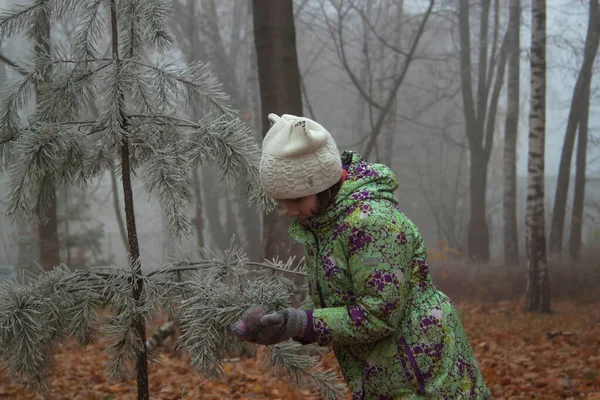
{"x":533,"y":356}
{"x":518,"y":358}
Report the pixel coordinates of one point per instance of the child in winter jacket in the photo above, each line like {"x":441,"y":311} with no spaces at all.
{"x":371,"y":296}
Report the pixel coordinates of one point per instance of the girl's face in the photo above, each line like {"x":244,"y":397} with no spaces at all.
{"x":302,"y":207}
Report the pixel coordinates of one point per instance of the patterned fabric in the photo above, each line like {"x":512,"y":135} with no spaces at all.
{"x":394,"y":334}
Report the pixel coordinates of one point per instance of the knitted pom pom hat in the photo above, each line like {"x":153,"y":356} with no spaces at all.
{"x":299,"y":158}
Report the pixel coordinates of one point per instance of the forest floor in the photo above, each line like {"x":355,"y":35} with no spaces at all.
{"x":522,"y":356}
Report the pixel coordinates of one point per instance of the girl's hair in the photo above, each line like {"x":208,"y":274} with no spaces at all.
{"x":326,"y":197}
{"x":323,"y":200}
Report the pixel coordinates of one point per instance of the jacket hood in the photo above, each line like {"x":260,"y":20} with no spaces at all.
{"x":364,"y":181}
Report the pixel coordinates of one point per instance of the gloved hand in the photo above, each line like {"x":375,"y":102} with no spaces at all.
{"x":247,"y":328}
{"x":273,"y":328}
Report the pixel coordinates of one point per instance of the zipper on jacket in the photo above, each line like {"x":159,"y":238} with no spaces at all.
{"x":317,"y":269}
{"x":415,"y":366}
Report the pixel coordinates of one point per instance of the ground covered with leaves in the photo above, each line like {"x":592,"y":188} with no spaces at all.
{"x":522,"y":355}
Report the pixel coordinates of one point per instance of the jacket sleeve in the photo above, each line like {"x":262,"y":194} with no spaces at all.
{"x":377,"y":250}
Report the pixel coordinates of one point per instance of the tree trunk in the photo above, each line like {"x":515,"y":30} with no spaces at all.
{"x":47,"y":229}
{"x":134,"y":250}
{"x":136,"y":267}
{"x":478,"y":235}
{"x":118,"y":216}
{"x":579,"y":195}
{"x":592,"y":41}
{"x":280,"y":93}
{"x":537,"y":283}
{"x":479,"y":111}
{"x":511,"y":239}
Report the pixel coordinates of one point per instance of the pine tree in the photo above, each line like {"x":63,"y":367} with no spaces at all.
{"x":141,"y":129}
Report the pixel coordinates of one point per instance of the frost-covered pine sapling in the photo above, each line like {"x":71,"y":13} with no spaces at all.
{"x":140,"y":128}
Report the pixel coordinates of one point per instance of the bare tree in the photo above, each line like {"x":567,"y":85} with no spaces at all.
{"x":511,"y":239}
{"x":537,"y":279}
{"x":592,"y":41}
{"x":480,"y":115}
{"x":338,"y":29}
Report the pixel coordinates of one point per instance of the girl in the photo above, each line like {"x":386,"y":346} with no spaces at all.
{"x":371,"y":296}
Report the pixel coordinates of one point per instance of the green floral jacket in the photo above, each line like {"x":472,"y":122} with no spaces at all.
{"x":371,"y":296}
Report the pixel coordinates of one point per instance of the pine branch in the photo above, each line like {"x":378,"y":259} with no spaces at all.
{"x":61,"y":9}
{"x":123,"y":343}
{"x":302,"y":370}
{"x":83,"y":318}
{"x":18,"y":18}
{"x":89,"y":31}
{"x":15,"y":95}
{"x":166,"y":176}
{"x":73,"y":155}
{"x":150,"y":119}
{"x":157,"y":15}
{"x":219,"y":263}
{"x":288,"y":267}
{"x":195,"y":83}
{"x":29,"y":321}
{"x":28,"y":189}
{"x":14,"y":66}
{"x":62,"y":303}
{"x":130,"y":28}
{"x":206,"y":318}
{"x":222,"y":141}
{"x":228,"y":144}
{"x":114,"y":83}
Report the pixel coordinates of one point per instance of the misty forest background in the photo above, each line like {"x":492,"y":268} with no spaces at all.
{"x":389,"y":86}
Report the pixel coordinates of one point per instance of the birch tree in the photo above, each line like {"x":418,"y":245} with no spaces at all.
{"x":537,"y":278}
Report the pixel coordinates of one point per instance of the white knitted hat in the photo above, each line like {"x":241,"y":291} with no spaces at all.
{"x":299,"y":158}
